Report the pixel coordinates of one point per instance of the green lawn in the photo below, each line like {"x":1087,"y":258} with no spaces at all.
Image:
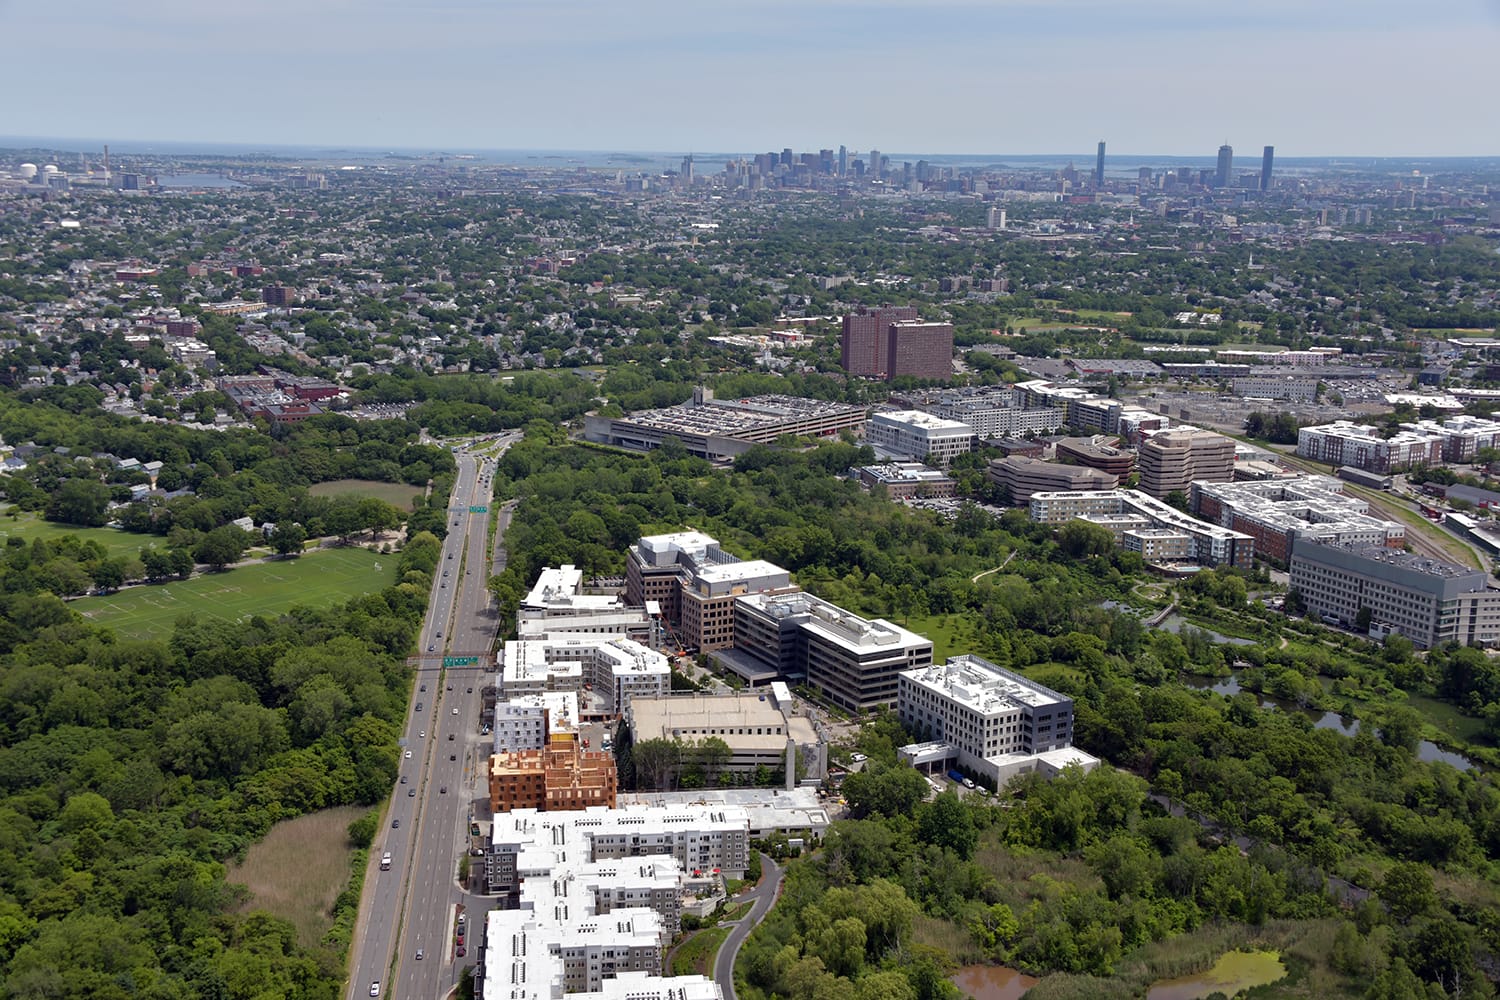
{"x":30,"y":525}
{"x":950,"y":634}
{"x":317,"y":579}
{"x":697,"y":954}
{"x":397,"y":494}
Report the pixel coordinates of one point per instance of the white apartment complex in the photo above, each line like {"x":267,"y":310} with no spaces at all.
{"x":922,"y":436}
{"x":558,"y":604}
{"x":1345,"y":443}
{"x":604,"y":671}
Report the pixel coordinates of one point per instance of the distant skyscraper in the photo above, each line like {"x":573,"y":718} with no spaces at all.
{"x":1226,"y":164}
{"x":843,"y":160}
{"x":687,"y":170}
{"x":1099,"y":166}
{"x":1265,"y":167}
{"x":875,"y":164}
{"x":786,"y":157}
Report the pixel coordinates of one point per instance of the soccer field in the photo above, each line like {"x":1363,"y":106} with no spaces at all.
{"x":317,"y":579}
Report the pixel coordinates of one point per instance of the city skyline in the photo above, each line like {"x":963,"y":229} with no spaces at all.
{"x":666,"y":75}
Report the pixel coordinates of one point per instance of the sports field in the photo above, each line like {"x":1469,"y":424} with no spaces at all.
{"x":317,"y":579}
{"x":396,"y":494}
{"x":30,"y":526}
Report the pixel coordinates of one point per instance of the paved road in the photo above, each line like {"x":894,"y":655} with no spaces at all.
{"x":765,"y":897}
{"x":414,"y":905}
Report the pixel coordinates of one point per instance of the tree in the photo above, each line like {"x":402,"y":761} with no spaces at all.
{"x":946,"y":822}
{"x":80,"y":501}
{"x":221,"y":546}
{"x":885,"y":790}
{"x":108,"y":574}
{"x":1407,"y":891}
{"x":288,"y":538}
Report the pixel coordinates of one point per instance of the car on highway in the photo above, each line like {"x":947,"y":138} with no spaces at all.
{"x":375,"y":988}
{"x":403,"y":779}
{"x":411,"y":792}
{"x":450,"y":740}
{"x":395,"y":824}
{"x":419,"y":954}
{"x":442,"y":789}
{"x":453,"y":756}
{"x":455,"y":711}
{"x":471,"y":690}
{"x":408,"y":755}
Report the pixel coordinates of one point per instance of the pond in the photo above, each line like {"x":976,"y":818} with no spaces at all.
{"x":1230,"y":686}
{"x":1177,"y":623}
{"x":1233,"y":972}
{"x":992,"y":982}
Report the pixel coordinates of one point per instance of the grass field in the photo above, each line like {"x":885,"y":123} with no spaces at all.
{"x":697,"y":955}
{"x":29,"y":526}
{"x":317,"y":579}
{"x":950,"y":634}
{"x":299,"y":869}
{"x":396,"y":494}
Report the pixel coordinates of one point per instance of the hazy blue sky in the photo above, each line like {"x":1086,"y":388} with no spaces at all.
{"x":1312,"y":77}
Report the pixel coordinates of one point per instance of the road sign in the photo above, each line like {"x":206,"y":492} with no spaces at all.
{"x":480,"y":509}
{"x":460,"y":661}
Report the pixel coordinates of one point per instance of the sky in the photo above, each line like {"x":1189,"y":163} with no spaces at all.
{"x":1166,"y":77}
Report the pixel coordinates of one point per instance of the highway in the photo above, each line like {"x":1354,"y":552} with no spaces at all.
{"x":414,"y":906}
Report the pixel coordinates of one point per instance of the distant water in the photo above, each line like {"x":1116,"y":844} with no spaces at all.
{"x":196,"y":181}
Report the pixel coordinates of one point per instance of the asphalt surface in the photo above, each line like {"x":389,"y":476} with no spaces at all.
{"x":765,"y":897}
{"x":415,"y":904}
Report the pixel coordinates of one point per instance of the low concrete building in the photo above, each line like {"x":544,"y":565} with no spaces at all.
{"x":1022,"y":477}
{"x":757,"y":726}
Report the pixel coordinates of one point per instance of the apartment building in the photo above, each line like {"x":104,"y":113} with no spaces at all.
{"x":1280,"y":511}
{"x":603,"y":671}
{"x":864,"y":344}
{"x":557,"y":604}
{"x":921,"y":436}
{"x":561,"y":776}
{"x":1362,"y":447}
{"x":1127,"y":510}
{"x":1172,"y":460}
{"x":1428,"y":601}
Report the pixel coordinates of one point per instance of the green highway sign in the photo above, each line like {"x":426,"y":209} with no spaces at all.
{"x":460,"y":661}
{"x":481,"y":509}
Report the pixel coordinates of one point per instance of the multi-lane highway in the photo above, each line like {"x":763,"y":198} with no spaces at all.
{"x":412,"y":908}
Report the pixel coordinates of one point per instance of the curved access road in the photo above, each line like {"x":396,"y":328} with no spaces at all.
{"x":765,"y":896}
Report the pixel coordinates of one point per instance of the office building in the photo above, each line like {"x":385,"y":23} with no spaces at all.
{"x":757,"y":726}
{"x":1127,"y":510}
{"x":1426,"y":600}
{"x":693,"y":583}
{"x":1279,"y":512}
{"x":1020,"y":477}
{"x":1099,"y":167}
{"x":921,"y":436}
{"x":1171,"y":460}
{"x":1361,"y":446}
{"x":1288,"y":387}
{"x":906,"y":480}
{"x":992,"y":722}
{"x":1225,"y":172}
{"x":1267,"y":157}
{"x":720,"y":429}
{"x":852,"y":660}
{"x":1096,"y":452}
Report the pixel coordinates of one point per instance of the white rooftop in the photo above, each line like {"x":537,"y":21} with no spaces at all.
{"x":981,"y":686}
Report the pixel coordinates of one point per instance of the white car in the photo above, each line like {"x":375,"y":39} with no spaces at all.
{"x":408,"y":755}
{"x":375,"y":988}
{"x":455,"y":711}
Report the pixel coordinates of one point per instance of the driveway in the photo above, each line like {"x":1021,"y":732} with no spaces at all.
{"x":765,"y":897}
